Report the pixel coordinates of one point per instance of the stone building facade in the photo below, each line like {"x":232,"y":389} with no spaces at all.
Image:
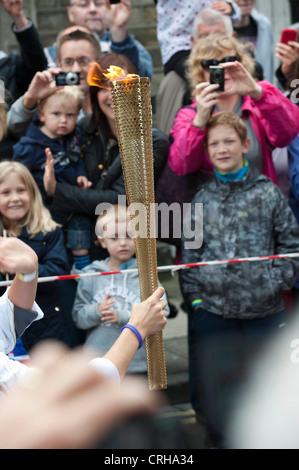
{"x":50,"y":17}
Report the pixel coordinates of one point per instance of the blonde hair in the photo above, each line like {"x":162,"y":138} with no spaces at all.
{"x":115,"y":213}
{"x":230,"y":120}
{"x":38,"y":219}
{"x":67,"y":94}
{"x":3,"y":124}
{"x":210,"y":47}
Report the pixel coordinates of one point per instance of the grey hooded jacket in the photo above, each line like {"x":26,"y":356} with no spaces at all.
{"x":241,"y":219}
{"x":91,"y":291}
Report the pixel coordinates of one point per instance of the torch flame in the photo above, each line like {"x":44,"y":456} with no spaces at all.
{"x":117,"y":73}
{"x":96,"y":74}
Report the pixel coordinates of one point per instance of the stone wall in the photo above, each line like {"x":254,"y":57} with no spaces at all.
{"x":50,"y":17}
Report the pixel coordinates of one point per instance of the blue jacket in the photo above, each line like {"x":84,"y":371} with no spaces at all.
{"x":52,"y":261}
{"x":30,"y":150}
{"x":293,"y":154}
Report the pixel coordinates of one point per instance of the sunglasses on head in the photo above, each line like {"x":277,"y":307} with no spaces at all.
{"x":212,"y":62}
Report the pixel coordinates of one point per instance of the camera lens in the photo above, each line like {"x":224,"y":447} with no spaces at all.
{"x":217,"y":76}
{"x":71,"y":78}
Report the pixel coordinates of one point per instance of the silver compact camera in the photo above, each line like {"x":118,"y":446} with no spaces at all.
{"x":217,"y":76}
{"x":67,"y":78}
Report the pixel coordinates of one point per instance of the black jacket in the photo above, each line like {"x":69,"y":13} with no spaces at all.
{"x":103,"y":167}
{"x":17,"y":70}
{"x":52,"y":261}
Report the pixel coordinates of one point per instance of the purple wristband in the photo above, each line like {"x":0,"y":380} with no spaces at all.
{"x":131,"y":327}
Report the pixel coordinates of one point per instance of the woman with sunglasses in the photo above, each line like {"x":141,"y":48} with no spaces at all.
{"x":271,"y":119}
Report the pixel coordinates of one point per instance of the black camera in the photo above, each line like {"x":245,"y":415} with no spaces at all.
{"x":67,"y":78}
{"x":217,"y":76}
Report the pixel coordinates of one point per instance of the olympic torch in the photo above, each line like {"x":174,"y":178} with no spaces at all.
{"x":131,"y":99}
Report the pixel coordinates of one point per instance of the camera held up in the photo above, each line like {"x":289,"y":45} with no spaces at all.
{"x":217,"y":76}
{"x":67,"y":78}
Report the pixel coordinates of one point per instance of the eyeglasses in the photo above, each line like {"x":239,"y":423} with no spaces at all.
{"x":86,"y":3}
{"x":212,"y":62}
{"x":82,"y":61}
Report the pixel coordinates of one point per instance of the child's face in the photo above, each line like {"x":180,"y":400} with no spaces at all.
{"x":225,"y":149}
{"x":14,"y":198}
{"x":58,"y":119}
{"x":119,"y":242}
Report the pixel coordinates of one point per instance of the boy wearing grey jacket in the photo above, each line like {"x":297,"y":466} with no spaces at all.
{"x":234,"y":308}
{"x":103,"y":303}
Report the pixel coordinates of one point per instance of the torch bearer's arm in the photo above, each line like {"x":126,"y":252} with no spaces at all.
{"x":148,"y":317}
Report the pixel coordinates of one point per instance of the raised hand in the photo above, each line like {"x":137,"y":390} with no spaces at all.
{"x":206,"y":97}
{"x":12,"y":7}
{"x":49,"y":175}
{"x":238,"y":81}
{"x":118,"y":16}
{"x":224,"y":7}
{"x":16,"y":256}
{"x":288,"y":54}
{"x":15,"y":9}
{"x":41,"y":86}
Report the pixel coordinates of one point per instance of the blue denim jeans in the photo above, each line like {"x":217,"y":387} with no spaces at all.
{"x":79,"y":233}
{"x":78,"y":229}
{"x":220,"y":353}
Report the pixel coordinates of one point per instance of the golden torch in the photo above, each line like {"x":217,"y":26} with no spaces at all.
{"x":131,"y":97}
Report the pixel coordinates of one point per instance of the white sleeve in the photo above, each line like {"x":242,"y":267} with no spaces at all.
{"x":14,"y":321}
{"x":106,"y":368}
{"x":11,"y":373}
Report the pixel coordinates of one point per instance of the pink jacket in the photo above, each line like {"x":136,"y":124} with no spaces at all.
{"x":274,"y":118}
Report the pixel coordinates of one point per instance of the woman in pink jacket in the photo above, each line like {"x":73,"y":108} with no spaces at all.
{"x":272,"y":120}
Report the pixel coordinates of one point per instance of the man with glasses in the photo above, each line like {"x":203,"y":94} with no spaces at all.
{"x":76,"y":49}
{"x":75,"y":52}
{"x":109,"y":22}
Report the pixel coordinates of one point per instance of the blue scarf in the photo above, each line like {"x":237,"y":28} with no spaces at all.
{"x":237,"y":175}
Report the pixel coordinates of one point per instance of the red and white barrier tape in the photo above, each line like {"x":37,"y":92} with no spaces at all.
{"x":171,"y":269}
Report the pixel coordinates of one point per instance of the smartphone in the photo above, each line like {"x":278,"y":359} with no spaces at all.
{"x":288,"y":35}
{"x":217,"y":76}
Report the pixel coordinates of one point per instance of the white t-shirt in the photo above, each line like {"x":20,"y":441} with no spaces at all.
{"x":13,"y":322}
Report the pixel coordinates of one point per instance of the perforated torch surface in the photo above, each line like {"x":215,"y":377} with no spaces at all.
{"x":133,"y":113}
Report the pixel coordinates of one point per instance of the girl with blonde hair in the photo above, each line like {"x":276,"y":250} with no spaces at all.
{"x":37,"y":218}
{"x":23,"y":215}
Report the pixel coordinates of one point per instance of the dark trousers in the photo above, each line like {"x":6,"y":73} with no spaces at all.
{"x":221,"y":352}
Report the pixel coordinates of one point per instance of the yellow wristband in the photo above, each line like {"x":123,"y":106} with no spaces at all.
{"x":27,"y":277}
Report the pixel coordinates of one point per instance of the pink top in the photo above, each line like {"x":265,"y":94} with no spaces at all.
{"x":274,"y":119}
